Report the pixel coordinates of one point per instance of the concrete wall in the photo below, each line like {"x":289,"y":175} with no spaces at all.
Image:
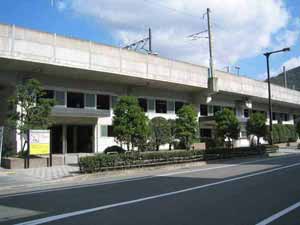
{"x":34,"y":46}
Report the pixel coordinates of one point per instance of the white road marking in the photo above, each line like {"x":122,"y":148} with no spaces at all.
{"x":85,"y":211}
{"x":279,"y":214}
{"x":139,"y":178}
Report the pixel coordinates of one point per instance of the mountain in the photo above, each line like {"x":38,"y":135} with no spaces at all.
{"x":293,"y":79}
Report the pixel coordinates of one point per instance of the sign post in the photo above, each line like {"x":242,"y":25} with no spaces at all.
{"x":39,"y":143}
{"x":1,"y":142}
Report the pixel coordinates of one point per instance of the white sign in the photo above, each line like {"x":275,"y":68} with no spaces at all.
{"x":39,"y":141}
{"x":1,"y":142}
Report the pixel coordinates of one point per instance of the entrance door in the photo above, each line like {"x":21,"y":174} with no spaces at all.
{"x":56,"y":139}
{"x":80,"y":138}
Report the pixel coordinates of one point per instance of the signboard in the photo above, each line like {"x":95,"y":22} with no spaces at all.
{"x":1,"y":142}
{"x":39,"y":142}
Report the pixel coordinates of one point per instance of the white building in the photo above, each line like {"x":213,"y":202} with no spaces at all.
{"x":85,"y":78}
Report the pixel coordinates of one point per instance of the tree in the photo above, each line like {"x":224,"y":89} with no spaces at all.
{"x":172,"y":125}
{"x":130,"y":123}
{"x":160,"y":131}
{"x":31,"y":109}
{"x":187,"y":125}
{"x":228,"y":126}
{"x":256,"y":125}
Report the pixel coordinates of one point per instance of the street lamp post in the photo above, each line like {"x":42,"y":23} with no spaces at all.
{"x":267,"y":54}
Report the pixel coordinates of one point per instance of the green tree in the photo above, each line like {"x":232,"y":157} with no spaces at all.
{"x":130,"y":123}
{"x":187,"y":125}
{"x":160,"y":131}
{"x":30,"y":109}
{"x":228,"y":126}
{"x":298,"y":128}
{"x":172,"y":137}
{"x":256,"y":125}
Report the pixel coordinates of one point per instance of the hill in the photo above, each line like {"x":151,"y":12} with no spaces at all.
{"x":293,"y":79}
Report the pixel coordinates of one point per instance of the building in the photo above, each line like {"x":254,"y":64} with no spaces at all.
{"x":86,"y":78}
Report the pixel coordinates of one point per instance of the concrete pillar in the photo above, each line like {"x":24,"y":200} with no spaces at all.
{"x":64,"y":139}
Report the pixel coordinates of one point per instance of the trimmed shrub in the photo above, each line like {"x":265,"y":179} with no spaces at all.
{"x":114,"y":149}
{"x":284,"y":133}
{"x":100,"y":162}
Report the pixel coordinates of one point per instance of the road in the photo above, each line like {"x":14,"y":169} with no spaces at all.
{"x":257,"y":191}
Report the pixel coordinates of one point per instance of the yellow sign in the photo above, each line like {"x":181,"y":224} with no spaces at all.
{"x":39,"y":142}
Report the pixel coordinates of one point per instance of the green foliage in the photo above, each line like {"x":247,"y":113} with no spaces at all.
{"x":33,"y":110}
{"x":187,"y":125}
{"x":298,"y":128}
{"x":130,"y":123}
{"x":99,"y":162}
{"x":256,"y":125}
{"x":282,"y":133}
{"x":228,"y":126}
{"x":160,"y":131}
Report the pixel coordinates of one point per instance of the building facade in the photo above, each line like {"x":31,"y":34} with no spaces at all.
{"x":86,"y":78}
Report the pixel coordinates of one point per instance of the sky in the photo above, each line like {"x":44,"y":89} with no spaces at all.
{"x":242,"y":29}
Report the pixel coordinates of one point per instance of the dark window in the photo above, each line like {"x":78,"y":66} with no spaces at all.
{"x":161,"y":106}
{"x":143,"y":104}
{"x":107,"y":131}
{"x":284,"y":116}
{"x":110,"y":131}
{"x":75,"y":100}
{"x":274,"y":115}
{"x":205,"y":133}
{"x":203,"y":110}
{"x":49,"y":94}
{"x":103,"y":102}
{"x":246,"y":113}
{"x":216,"y":109}
{"x":178,"y":106}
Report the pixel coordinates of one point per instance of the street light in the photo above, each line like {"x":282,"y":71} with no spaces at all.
{"x":267,"y":54}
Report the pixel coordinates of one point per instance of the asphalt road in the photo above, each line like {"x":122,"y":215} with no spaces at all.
{"x":259,"y":192}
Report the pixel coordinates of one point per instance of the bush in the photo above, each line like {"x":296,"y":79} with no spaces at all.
{"x":284,"y":133}
{"x":114,"y":149}
{"x":102,"y":161}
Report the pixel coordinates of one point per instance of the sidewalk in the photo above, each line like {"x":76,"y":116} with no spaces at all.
{"x":23,"y":177}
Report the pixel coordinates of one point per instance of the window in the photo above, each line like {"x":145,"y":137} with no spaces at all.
{"x":161,"y":106}
{"x":60,"y":98}
{"x":216,"y":109}
{"x":274,"y":115}
{"x":283,"y":116}
{"x":114,"y":100}
{"x":178,"y":106}
{"x":246,"y":113}
{"x":48,"y":94}
{"x":203,"y":110}
{"x":205,"y":133}
{"x":210,"y":110}
{"x":151,"y":105}
{"x":75,"y":100}
{"x":171,"y":106}
{"x":103,"y":102}
{"x":143,"y":104}
{"x":107,"y":131}
{"x":90,"y":100}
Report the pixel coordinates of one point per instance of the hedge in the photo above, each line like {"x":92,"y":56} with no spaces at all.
{"x":284,"y":133}
{"x":102,"y":162}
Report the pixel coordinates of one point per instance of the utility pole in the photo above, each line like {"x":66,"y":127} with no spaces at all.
{"x":211,"y":61}
{"x":150,"y":41}
{"x":284,"y":76}
{"x":140,"y":45}
{"x":237,"y":70}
